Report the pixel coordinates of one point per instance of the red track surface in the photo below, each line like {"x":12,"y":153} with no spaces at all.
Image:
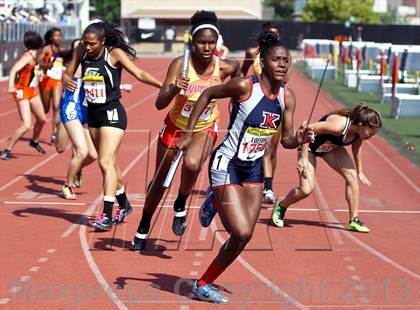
{"x":51,"y":258}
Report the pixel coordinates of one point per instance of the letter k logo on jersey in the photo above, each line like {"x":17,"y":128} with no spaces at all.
{"x":270,"y":120}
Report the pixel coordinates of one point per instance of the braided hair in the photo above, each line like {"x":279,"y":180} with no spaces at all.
{"x":113,"y":36}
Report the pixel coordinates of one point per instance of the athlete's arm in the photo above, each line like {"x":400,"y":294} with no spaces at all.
{"x":230,"y":67}
{"x":40,"y":58}
{"x":288,"y":138}
{"x":238,"y":88}
{"x":72,"y":67}
{"x":19,"y":65}
{"x":357,"y":155}
{"x":249,"y":59}
{"x":119,"y":56}
{"x":173,"y":83}
{"x":333,"y":125}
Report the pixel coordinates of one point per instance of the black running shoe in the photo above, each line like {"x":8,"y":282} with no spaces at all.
{"x":6,"y":154}
{"x":36,"y":146}
{"x":179,"y":224}
{"x":138,"y":244}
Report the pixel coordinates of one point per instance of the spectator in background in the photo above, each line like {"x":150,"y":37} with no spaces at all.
{"x":169,"y":38}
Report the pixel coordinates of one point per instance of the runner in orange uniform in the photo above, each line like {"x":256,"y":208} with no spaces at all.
{"x":23,"y":84}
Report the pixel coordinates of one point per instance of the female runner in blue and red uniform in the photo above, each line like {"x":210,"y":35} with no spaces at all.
{"x":261,"y":108}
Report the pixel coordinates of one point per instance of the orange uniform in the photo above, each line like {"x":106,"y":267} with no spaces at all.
{"x":178,"y":116}
{"x":52,"y":77}
{"x":26,"y":82}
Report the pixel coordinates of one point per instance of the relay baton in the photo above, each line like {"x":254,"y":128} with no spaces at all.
{"x":172,"y":170}
{"x":184,"y":73}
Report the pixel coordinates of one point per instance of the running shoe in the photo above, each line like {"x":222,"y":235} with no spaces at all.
{"x":209,"y":293}
{"x":268,"y":196}
{"x":6,"y":154}
{"x":68,"y":192}
{"x":179,"y":223}
{"x":36,"y":146}
{"x":357,"y":225}
{"x":78,"y":180}
{"x":207,"y":210}
{"x":138,"y":244}
{"x":122,"y":213}
{"x":102,"y":222}
{"x":279,"y":213}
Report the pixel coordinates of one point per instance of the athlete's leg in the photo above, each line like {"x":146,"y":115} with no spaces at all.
{"x":40,"y":117}
{"x":57,"y":92}
{"x":62,"y":138}
{"x":306,"y":186}
{"x":341,"y":162}
{"x":45,"y":98}
{"x":25,"y":117}
{"x":239,"y":209}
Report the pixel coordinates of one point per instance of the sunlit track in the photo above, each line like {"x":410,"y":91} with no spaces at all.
{"x":281,"y":268}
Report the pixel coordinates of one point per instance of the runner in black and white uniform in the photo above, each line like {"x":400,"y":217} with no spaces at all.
{"x":102,"y":54}
{"x":261,"y":108}
{"x":334,"y":131}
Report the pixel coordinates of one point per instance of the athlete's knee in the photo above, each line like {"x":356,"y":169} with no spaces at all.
{"x":243,"y":235}
{"x":25,"y":126}
{"x":192,"y":164}
{"x":351,"y":177}
{"x":106,"y":163}
{"x":92,"y":155}
{"x":60,"y":148}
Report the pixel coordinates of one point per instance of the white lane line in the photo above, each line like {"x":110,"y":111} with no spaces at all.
{"x":29,"y":171}
{"x":199,"y":254}
{"x":44,"y":203}
{"x":15,"y":289}
{"x":184,"y":307}
{"x":391,"y":164}
{"x":381,"y":211}
{"x":4,"y":301}
{"x":25,"y":278}
{"x":51,"y":250}
{"x":351,"y":268}
{"x":43,"y":259}
{"x":328,"y":214}
{"x":8,"y":112}
{"x":196,"y":263}
{"x":347,"y":259}
{"x":193,"y":273}
{"x":86,"y":248}
{"x":258,"y":274}
{"x":203,"y":234}
{"x":34,"y":269}
{"x":363,"y":245}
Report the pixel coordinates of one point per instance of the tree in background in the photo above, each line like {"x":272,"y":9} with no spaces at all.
{"x":109,"y":9}
{"x":340,"y":11}
{"x":283,"y":9}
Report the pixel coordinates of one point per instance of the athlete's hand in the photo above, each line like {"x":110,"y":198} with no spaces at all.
{"x":183,"y":143}
{"x":305,"y":134}
{"x":181,"y":82}
{"x":364,"y":179}
{"x":11,"y":90}
{"x":302,"y":167}
{"x":71,"y":85}
{"x":127,"y":87}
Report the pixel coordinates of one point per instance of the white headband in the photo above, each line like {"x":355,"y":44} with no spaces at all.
{"x":205,"y":26}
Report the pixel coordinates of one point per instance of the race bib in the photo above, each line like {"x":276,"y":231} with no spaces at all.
{"x":56,"y":72}
{"x":19,"y":93}
{"x":326,"y":147}
{"x":188,"y":107}
{"x":220,"y":162}
{"x":95,"y":91}
{"x":253,"y":143}
{"x":71,"y":110}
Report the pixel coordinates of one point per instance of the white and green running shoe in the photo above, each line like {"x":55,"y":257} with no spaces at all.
{"x":278,"y":215}
{"x":357,"y":225}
